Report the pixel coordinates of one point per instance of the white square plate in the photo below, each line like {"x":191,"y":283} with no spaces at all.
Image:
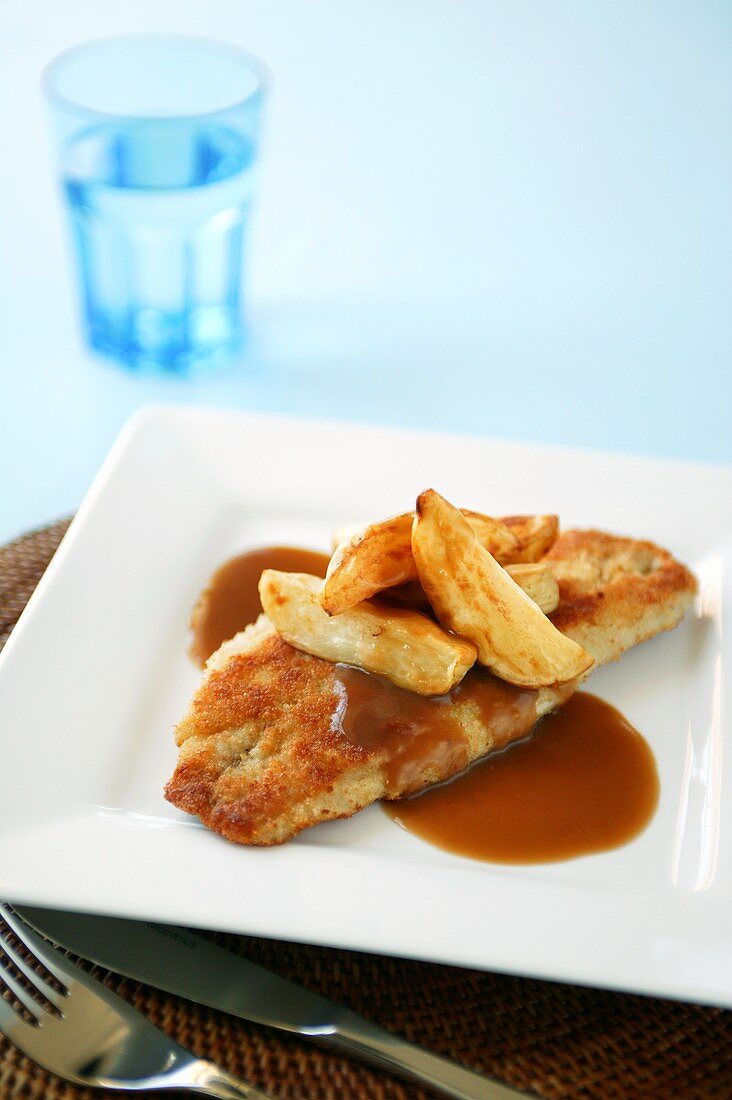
{"x":96,"y":674}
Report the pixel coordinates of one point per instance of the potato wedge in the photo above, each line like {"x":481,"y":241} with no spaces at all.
{"x":536,"y":579}
{"x":346,"y":533}
{"x":379,"y":556}
{"x":408,"y":648}
{"x":493,"y":534}
{"x":473,"y":596}
{"x":535,"y":535}
{"x":538,"y":582}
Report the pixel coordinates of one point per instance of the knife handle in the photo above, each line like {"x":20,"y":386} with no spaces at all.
{"x":361,"y":1039}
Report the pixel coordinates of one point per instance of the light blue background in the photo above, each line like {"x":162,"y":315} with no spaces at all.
{"x":504,"y":216}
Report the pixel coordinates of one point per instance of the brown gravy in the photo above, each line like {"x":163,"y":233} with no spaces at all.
{"x":414,"y":732}
{"x":585,"y":781}
{"x":230,"y":600}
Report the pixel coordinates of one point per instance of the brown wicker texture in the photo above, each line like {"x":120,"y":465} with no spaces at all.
{"x":557,"y":1041}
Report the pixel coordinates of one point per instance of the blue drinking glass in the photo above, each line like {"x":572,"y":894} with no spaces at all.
{"x":157,"y":140}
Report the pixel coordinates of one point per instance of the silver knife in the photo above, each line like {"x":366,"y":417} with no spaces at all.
{"x":180,"y":962}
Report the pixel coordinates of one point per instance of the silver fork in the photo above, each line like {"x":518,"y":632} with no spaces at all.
{"x":92,"y":1037}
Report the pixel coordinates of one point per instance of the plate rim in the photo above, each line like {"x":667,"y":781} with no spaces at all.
{"x":672,"y":984}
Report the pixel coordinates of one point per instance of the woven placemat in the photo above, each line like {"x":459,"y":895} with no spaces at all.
{"x":558,"y":1041}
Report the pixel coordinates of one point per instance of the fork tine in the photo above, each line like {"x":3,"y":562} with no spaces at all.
{"x":22,"y":995}
{"x":32,"y":975}
{"x":11,"y":1020}
{"x":33,"y":942}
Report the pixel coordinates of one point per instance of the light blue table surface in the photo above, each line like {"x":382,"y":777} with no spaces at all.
{"x":508,"y":217}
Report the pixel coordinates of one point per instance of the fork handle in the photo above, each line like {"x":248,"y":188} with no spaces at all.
{"x":207,"y":1079}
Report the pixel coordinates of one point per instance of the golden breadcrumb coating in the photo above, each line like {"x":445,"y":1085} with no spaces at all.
{"x":615,"y":592}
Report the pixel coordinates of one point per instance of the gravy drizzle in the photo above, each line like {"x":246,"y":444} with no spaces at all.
{"x":585,"y":781}
{"x":230,"y":600}
{"x":418,"y":736}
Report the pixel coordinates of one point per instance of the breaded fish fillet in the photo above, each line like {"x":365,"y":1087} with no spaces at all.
{"x":615,"y":592}
{"x":262,"y":752}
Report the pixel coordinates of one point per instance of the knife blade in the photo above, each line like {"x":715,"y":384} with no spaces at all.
{"x":180,"y":962}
